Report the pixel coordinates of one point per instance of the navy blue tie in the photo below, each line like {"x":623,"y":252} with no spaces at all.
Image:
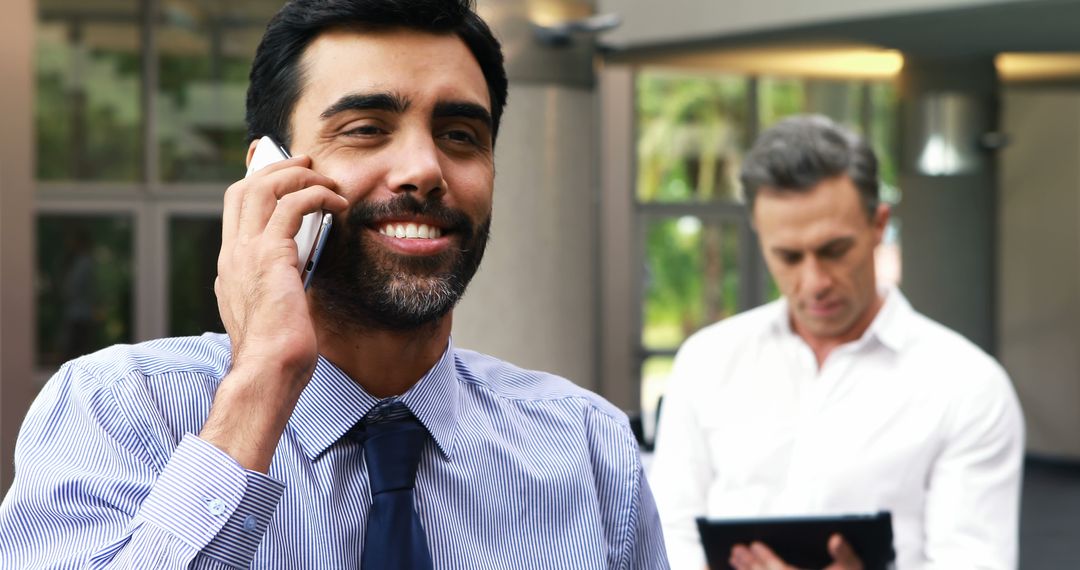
{"x":394,"y":539}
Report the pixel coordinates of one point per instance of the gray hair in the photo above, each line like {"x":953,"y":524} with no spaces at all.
{"x":799,"y":152}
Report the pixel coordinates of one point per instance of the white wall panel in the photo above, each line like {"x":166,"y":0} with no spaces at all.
{"x":1039,"y":264}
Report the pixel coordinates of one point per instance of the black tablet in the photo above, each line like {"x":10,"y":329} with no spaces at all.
{"x":801,"y":541}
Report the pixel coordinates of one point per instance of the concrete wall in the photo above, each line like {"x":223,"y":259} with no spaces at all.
{"x":533,"y":301}
{"x":1039,"y":264}
{"x":652,"y":22}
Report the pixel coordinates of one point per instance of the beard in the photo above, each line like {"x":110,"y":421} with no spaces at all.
{"x":360,"y":284}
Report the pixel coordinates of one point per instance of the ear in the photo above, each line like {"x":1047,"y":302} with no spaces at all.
{"x":251,"y":151}
{"x":881,"y":221}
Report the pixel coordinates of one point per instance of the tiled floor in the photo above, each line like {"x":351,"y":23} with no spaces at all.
{"x":1050,"y":516}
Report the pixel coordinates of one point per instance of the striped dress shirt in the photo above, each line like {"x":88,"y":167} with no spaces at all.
{"x":523,"y":470}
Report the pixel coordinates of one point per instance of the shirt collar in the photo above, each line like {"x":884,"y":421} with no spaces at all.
{"x":332,"y":403}
{"x":890,"y":326}
{"x":435,"y":400}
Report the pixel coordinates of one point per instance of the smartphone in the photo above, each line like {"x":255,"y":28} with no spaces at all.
{"x":314,"y":227}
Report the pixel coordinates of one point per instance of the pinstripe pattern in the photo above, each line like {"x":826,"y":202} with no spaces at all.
{"x":524,"y":470}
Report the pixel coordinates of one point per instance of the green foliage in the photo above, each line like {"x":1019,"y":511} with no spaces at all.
{"x":884,"y":108}
{"x":691,"y":135}
{"x":87,"y":129}
{"x":692,"y":278}
{"x":779,"y":98}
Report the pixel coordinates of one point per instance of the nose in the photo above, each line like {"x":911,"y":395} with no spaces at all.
{"x":816,"y":279}
{"x":417,"y":167}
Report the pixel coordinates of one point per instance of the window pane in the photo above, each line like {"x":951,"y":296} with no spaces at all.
{"x":655,"y":371}
{"x":206,"y":51}
{"x":779,"y":97}
{"x":691,"y":278}
{"x":87,"y":107}
{"x":841,"y":101}
{"x":193,"y":250}
{"x":691,"y":136}
{"x":84,"y":284}
{"x":884,"y":112}
{"x":887,"y":256}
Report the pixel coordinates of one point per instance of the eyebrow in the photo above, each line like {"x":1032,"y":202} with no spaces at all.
{"x":463,"y":110}
{"x":397,"y":104}
{"x":840,"y":241}
{"x":366,"y":101}
{"x":785,"y":251}
{"x":833,"y":243}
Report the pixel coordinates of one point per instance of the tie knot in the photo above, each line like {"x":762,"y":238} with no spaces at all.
{"x":392,"y":439}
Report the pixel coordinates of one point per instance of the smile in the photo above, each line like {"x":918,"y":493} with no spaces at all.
{"x":411,"y":231}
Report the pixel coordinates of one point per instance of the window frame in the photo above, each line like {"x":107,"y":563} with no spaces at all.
{"x":150,"y":201}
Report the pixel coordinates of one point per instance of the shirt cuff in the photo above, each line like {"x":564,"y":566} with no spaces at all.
{"x":238,"y":540}
{"x":205,"y":499}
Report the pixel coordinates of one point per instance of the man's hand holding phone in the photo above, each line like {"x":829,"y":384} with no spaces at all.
{"x":314,"y":226}
{"x":264,"y":308}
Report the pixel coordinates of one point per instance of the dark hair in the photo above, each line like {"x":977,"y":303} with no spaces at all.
{"x":797,"y":153}
{"x":276,"y":78}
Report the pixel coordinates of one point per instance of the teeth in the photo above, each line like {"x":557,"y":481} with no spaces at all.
{"x":411,"y":231}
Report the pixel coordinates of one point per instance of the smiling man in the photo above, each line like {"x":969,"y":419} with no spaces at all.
{"x":338,"y":427}
{"x":838,"y":398}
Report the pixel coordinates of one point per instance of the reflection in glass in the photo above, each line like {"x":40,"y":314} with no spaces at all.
{"x":692,"y":134}
{"x":87,"y":107}
{"x":206,"y":51}
{"x":194,"y":243}
{"x":691,"y":278}
{"x":84,"y":285}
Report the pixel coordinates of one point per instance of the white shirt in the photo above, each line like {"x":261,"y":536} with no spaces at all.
{"x":911,"y":418}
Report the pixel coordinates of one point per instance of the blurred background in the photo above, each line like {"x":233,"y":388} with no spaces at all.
{"x":619,"y":228}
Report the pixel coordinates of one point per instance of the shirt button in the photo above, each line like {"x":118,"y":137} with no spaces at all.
{"x":250,"y":523}
{"x":216,"y":506}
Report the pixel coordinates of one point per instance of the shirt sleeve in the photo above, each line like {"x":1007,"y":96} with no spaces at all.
{"x":88,"y":492}
{"x":646,"y":547}
{"x":681,"y":470}
{"x":973,"y":499}
{"x":630,"y":524}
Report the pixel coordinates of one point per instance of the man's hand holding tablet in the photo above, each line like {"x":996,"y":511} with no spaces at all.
{"x":758,"y":556}
{"x":836,"y":542}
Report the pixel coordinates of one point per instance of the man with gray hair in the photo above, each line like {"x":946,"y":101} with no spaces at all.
{"x":838,"y":398}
